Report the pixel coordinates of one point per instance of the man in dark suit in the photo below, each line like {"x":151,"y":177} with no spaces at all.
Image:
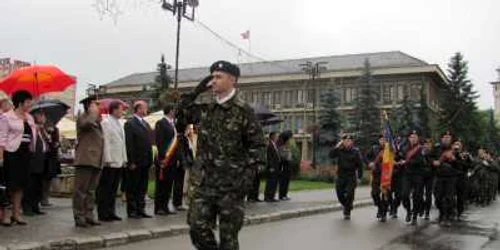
{"x":138,"y":137}
{"x":168,"y":164}
{"x":273,"y":167}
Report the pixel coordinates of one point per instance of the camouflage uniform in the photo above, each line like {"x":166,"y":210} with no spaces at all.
{"x":230,"y":141}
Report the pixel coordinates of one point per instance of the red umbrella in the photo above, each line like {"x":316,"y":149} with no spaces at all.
{"x":104,"y":104}
{"x":37,"y":79}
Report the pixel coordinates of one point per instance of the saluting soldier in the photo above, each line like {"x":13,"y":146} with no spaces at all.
{"x":349,"y":170}
{"x":230,"y":142}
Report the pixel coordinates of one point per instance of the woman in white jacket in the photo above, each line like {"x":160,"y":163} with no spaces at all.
{"x":115,"y":158}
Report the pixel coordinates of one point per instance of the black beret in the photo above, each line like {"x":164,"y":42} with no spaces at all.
{"x":447,"y":132}
{"x":413,"y":132}
{"x":227,"y":67}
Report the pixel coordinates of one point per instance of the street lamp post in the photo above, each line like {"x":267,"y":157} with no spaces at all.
{"x":313,"y":69}
{"x":180,"y":9}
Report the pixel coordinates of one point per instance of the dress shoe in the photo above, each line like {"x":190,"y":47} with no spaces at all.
{"x":46,"y":204}
{"x":29,"y":213}
{"x":116,"y":217}
{"x":82,"y":224}
{"x":271,"y":200}
{"x":408,"y":217}
{"x":39,"y":212}
{"x":92,"y":222}
{"x":161,"y":213}
{"x":285,"y":199}
{"x":145,"y":215}
{"x":134,"y":216}
{"x":105,"y":219}
{"x":180,"y":208}
{"x":17,"y":222}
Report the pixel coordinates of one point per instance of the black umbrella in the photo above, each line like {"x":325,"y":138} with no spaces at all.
{"x":271,"y":121}
{"x":54,"y":109}
{"x":262,"y":112}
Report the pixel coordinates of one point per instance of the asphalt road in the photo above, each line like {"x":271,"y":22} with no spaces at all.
{"x":329,"y":231}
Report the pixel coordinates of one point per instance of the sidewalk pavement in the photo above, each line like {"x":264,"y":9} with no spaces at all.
{"x":57,"y":226}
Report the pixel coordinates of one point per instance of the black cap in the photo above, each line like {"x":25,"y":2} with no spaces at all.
{"x":87,"y":101}
{"x":227,"y":67}
{"x":447,"y":132}
{"x":413,"y":132}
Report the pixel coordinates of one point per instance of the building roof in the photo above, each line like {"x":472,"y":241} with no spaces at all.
{"x":392,"y":59}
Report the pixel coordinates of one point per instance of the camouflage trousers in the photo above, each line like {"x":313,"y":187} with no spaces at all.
{"x":208,"y":205}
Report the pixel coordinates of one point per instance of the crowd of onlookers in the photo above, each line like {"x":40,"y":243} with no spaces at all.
{"x":110,"y":155}
{"x":29,"y":146}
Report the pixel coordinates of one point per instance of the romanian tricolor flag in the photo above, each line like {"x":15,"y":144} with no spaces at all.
{"x":387,"y":157}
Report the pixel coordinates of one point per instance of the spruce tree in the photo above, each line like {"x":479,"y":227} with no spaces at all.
{"x":330,"y":121}
{"x":366,"y":117}
{"x":423,"y":115}
{"x":329,"y":117}
{"x":160,"y":93}
{"x":459,"y":112}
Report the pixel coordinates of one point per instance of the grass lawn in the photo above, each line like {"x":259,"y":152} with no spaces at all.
{"x":295,"y":185}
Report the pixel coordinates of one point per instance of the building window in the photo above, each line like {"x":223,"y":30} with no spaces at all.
{"x":266,"y":99}
{"x":300,"y":96}
{"x":402,"y":92}
{"x":387,"y":95}
{"x":255,"y":97}
{"x":350,"y":95}
{"x":277,"y":97}
{"x":311,"y":96}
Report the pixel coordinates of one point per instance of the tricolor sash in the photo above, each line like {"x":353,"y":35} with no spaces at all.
{"x":169,"y":155}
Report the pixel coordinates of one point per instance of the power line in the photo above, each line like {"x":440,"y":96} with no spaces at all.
{"x":229,"y":43}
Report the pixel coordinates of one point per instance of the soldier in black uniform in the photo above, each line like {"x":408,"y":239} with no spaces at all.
{"x":444,"y":143}
{"x":374,"y":158}
{"x":429,"y":177}
{"x":349,"y":166}
{"x":413,"y":181}
{"x":398,"y":173}
{"x":464,"y":164}
{"x":447,"y":174}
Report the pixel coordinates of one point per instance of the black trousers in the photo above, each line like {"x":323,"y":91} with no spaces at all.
{"x":271,"y":186}
{"x":33,"y":193}
{"x":345,"y":187}
{"x":180,"y":173}
{"x":164,"y":188}
{"x":137,"y":187}
{"x":445,"y":196}
{"x":254,"y":192}
{"x":413,"y":186}
{"x":428,"y":191}
{"x":284,"y":182}
{"x":396,"y":192}
{"x":462,"y":189}
{"x":380,"y":200}
{"x":106,"y":192}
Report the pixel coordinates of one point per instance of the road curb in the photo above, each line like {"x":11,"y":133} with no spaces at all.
{"x":132,"y":236}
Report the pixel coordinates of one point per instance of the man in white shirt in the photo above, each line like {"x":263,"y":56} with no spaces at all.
{"x":115,"y":158}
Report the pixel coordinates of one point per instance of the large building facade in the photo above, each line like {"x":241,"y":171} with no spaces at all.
{"x":284,"y":88}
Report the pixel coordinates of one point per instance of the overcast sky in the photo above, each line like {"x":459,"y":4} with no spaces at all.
{"x":98,"y":50}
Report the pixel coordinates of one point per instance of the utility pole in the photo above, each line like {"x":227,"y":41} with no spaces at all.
{"x":180,"y":9}
{"x":313,"y":69}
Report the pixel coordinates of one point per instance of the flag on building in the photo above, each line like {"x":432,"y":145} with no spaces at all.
{"x":245,"y":35}
{"x":388,"y":156}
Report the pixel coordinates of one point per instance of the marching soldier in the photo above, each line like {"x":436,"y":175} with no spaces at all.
{"x":349,"y":167}
{"x":374,"y":158}
{"x":398,"y":173}
{"x":413,"y":182}
{"x":464,"y":163}
{"x":429,"y":176}
{"x":229,"y":148}
{"x":447,"y":174}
